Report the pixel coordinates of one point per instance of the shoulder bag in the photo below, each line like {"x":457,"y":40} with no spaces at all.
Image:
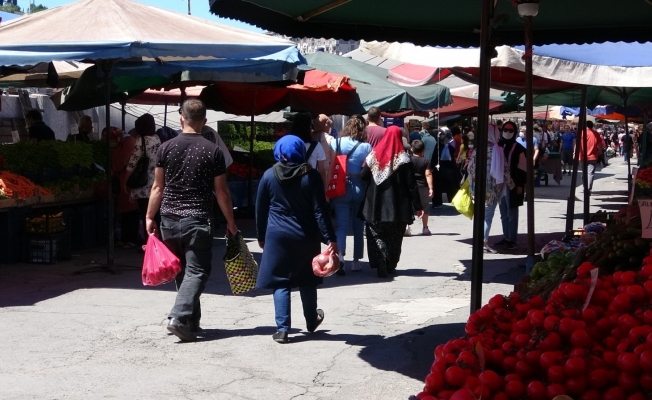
{"x":140,"y":175}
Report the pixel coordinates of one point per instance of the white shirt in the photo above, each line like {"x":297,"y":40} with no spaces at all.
{"x":317,"y":154}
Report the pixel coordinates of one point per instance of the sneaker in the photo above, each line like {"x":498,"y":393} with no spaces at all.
{"x":426,"y":232}
{"x":510,"y":245}
{"x":501,"y":243}
{"x":356,"y":266}
{"x":490,"y":250}
{"x":408,"y":232}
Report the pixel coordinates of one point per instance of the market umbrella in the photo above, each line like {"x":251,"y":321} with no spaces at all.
{"x":375,"y":90}
{"x":107,"y":31}
{"x":445,"y":23}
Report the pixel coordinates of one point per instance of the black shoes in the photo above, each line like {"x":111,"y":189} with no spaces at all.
{"x":502,"y":243}
{"x":341,"y":271}
{"x":181,"y":330}
{"x":510,"y":245}
{"x":320,"y":319}
{"x":281,"y":337}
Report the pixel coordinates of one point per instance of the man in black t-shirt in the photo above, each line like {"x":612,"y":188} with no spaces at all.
{"x":37,"y":129}
{"x":423,"y":176}
{"x":188,"y":169}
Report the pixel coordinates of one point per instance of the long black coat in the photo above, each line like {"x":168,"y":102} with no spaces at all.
{"x":394,"y":200}
{"x":292,"y":219}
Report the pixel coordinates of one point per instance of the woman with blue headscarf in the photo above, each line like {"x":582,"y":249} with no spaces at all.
{"x":292,"y":219}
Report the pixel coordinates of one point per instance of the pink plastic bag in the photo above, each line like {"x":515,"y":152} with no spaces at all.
{"x":160,"y":264}
{"x":324,"y":264}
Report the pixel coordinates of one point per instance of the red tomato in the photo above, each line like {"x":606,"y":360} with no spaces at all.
{"x":576,"y":385}
{"x":463,"y":394}
{"x":556,"y":374}
{"x":637,"y":293}
{"x":610,"y":358}
{"x":580,"y":338}
{"x":614,"y":393}
{"x":628,"y":382}
{"x":646,"y":381}
{"x":575,"y":366}
{"x":551,"y":342}
{"x":509,"y":364}
{"x":444,"y":394}
{"x":491,"y":379}
{"x":515,"y":390}
{"x":555,"y":390}
{"x":551,"y":323}
{"x":439,"y":366}
{"x":637,"y":396}
{"x":536,"y":317}
{"x":628,"y":322}
{"x":628,"y":362}
{"x":628,"y":278}
{"x":574,"y":292}
{"x":434,"y":382}
{"x":498,"y":301}
{"x":566,"y":327}
{"x":455,"y":376}
{"x":471,"y":382}
{"x":482,"y":392}
{"x":522,"y":340}
{"x":589,"y":316}
{"x":536,"y":390}
{"x":548,"y":359}
{"x":647,"y":286}
{"x":501,"y":396}
{"x":533,"y":357}
{"x":524,"y":370}
{"x":598,"y":378}
{"x":622,"y":302}
{"x":512,"y":377}
{"x":591,"y":395}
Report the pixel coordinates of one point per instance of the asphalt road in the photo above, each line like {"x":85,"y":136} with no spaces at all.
{"x":96,"y":335}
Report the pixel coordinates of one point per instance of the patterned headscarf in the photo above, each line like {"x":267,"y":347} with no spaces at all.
{"x":388,"y":155}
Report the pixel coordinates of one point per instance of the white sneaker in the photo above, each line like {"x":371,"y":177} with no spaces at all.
{"x":355,"y":266}
{"x":408,"y":232}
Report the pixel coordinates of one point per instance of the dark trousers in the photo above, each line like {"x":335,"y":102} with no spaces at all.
{"x":282,"y":308}
{"x":384,"y":241}
{"x":191,"y":240}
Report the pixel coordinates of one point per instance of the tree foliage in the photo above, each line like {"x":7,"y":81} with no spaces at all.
{"x":11,"y":8}
{"x":36,"y":8}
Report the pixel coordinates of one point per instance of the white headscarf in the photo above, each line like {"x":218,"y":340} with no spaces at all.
{"x":497,"y":169}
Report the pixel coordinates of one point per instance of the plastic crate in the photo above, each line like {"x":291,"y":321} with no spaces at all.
{"x":45,"y":224}
{"x":10,"y":249}
{"x":48,"y":249}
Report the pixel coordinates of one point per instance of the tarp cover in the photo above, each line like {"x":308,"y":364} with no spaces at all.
{"x":375,"y":90}
{"x":124,"y":29}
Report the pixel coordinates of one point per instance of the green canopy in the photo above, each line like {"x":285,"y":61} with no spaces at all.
{"x":375,"y":90}
{"x":444,"y":23}
{"x":597,"y":96}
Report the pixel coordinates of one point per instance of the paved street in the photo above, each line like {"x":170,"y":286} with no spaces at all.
{"x":96,"y":335}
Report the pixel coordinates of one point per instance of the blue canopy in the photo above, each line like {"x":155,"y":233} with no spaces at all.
{"x":618,"y":54}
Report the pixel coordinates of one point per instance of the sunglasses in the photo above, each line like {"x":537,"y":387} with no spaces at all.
{"x":508,"y":130}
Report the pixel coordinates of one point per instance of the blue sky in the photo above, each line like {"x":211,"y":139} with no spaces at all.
{"x":198,"y":8}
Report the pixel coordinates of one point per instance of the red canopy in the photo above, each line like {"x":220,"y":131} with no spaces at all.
{"x":171,"y":97}
{"x":321,"y":93}
{"x":464,"y":106}
{"x":416,"y":75}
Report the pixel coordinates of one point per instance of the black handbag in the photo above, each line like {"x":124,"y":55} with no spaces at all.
{"x":140,"y":175}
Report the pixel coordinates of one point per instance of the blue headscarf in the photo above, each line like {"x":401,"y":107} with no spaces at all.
{"x":290,"y":150}
{"x":290,"y":154}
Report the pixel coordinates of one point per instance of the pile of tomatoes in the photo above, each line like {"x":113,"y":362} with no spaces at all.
{"x":241,"y":171}
{"x":591,"y":340}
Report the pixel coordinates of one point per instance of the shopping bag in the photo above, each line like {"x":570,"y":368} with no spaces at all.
{"x":160,"y":264}
{"x":463,"y":201}
{"x":241,"y":268}
{"x":325,"y":264}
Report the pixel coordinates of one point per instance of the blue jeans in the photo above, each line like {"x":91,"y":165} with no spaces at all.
{"x":509,"y":218}
{"x":489,"y":212}
{"x":283,"y":310}
{"x":191,"y":240}
{"x":346,"y":209}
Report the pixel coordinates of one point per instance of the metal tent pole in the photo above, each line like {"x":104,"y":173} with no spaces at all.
{"x":123,"y":114}
{"x":481,"y":155}
{"x":585,"y":165}
{"x":570,"y":209}
{"x":630,"y":140}
{"x":165,"y":114}
{"x":529,"y":126}
{"x":251,"y":153}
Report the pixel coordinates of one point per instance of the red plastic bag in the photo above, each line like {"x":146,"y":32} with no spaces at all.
{"x":325,"y":264}
{"x":160,"y":264}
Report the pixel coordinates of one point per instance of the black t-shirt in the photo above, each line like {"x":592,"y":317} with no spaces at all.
{"x":420,"y":164}
{"x":40,"y":131}
{"x":191,"y":163}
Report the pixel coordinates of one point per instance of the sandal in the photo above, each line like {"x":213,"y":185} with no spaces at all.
{"x":320,"y":319}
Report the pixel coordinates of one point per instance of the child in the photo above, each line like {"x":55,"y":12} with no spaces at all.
{"x":423,"y":175}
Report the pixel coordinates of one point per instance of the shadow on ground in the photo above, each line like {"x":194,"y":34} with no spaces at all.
{"x":411,"y":353}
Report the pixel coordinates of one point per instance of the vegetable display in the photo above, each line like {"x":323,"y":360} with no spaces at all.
{"x":11,"y":184}
{"x":583,"y":329}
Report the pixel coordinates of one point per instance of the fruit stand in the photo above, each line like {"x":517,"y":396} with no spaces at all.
{"x":51,"y":200}
{"x":580,"y":327}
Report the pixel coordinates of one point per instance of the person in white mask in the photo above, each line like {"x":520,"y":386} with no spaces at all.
{"x":514,"y":193}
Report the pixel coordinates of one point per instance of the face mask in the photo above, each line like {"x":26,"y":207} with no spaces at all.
{"x":471,"y":146}
{"x":521,"y":134}
{"x":508,"y":135}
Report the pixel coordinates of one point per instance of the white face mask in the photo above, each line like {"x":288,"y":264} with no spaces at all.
{"x":508,"y":135}
{"x":471,"y":146}
{"x":521,"y":134}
